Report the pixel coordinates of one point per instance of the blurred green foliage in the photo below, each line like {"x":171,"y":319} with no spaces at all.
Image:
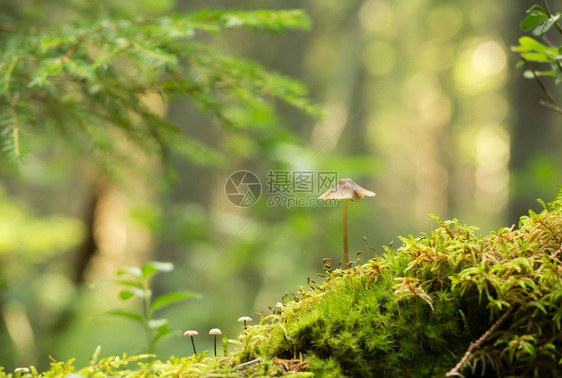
{"x":89,"y":83}
{"x":136,"y":282}
{"x":27,"y":238}
{"x":421,"y":107}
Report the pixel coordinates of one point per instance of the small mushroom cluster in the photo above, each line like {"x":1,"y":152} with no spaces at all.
{"x":214,"y":332}
{"x":345,"y":190}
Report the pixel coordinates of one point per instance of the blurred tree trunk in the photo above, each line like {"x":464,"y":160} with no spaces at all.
{"x":353,"y":79}
{"x":89,"y":247}
{"x":87,"y":251}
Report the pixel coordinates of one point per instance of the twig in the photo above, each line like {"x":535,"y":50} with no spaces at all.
{"x":7,"y":28}
{"x":247,"y":363}
{"x":547,"y":8}
{"x":530,"y":67}
{"x":473,"y":346}
{"x":546,"y":40}
{"x":69,"y":52}
{"x":9,"y":71}
{"x":551,"y":106}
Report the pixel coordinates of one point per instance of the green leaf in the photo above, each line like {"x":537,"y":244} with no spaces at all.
{"x":537,"y":9}
{"x":545,"y":26}
{"x":132,"y":292}
{"x":536,"y":57}
{"x":130,"y":270}
{"x":529,"y":44}
{"x":153,"y":267}
{"x":127,"y":314}
{"x":531,"y":21}
{"x":168,"y":299}
{"x":114,"y":281}
{"x":158,"y":323}
{"x":161,"y":332}
{"x":161,"y":326}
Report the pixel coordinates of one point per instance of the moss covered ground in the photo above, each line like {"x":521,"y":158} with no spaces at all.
{"x":449,"y":302}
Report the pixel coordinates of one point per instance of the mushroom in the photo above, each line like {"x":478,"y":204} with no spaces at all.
{"x":191,"y":334}
{"x":245,"y":319}
{"x":21,"y":370}
{"x":346,"y":189}
{"x":215,"y":332}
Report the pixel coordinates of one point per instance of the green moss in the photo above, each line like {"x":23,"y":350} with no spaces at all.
{"x":415,"y":311}
{"x":412,"y":312}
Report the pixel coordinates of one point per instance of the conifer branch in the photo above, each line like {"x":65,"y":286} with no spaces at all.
{"x":79,"y":71}
{"x":8,"y":75}
{"x":15,"y":126}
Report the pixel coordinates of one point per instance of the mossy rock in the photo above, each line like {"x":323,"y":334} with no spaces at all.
{"x":416,"y":310}
{"x":489,"y":306}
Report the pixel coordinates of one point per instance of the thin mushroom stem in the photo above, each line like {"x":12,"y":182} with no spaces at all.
{"x":193,"y":343}
{"x":215,"y":332}
{"x":345,"y":245}
{"x":346,"y":190}
{"x":192,"y":333}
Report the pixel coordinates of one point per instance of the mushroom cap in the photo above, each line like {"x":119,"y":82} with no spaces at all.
{"x":191,"y":333}
{"x":215,"y":331}
{"x":246,"y":318}
{"x":23,"y":370}
{"x":346,"y":189}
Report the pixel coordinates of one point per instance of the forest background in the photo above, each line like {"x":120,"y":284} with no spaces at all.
{"x":422,"y":104}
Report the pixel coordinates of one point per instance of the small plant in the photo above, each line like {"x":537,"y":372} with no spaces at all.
{"x":225,"y":346}
{"x":136,"y":282}
{"x":539,"y":21}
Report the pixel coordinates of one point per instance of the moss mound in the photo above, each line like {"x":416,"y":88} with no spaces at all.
{"x":446,"y":303}
{"x":417,"y":310}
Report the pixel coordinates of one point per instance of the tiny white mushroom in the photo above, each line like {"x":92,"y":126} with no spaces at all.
{"x":191,"y":334}
{"x":245,"y":319}
{"x":22,"y":370}
{"x":215,"y":332}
